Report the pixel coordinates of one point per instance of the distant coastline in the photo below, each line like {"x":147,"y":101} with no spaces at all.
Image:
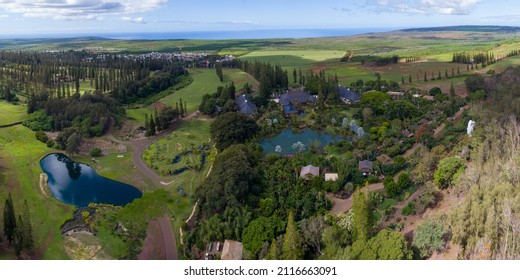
{"x":214,"y":35}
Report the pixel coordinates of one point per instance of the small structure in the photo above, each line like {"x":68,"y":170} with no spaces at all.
{"x":246,"y":105}
{"x":232,"y":250}
{"x":348,"y":96}
{"x":385,"y":159}
{"x":331,"y":177}
{"x":309,"y":171}
{"x":366,"y":167}
{"x":395,"y":94}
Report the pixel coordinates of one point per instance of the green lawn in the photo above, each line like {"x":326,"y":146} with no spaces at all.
{"x":11,"y":113}
{"x":118,"y":168}
{"x":19,"y":174}
{"x":204,"y":81}
{"x":303,"y":59}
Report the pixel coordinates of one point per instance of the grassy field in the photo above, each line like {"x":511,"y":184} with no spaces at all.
{"x":204,"y":81}
{"x":304,"y":59}
{"x":11,"y":113}
{"x":19,"y":174}
{"x":118,"y":168}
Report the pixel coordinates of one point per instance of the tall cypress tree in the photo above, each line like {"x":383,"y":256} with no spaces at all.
{"x":9,"y":219}
{"x":28,"y":242}
{"x":152,"y":127}
{"x":146,"y":123}
{"x":292,"y":247}
{"x":362,"y":220}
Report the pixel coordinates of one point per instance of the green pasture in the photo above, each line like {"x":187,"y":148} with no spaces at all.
{"x":204,"y":81}
{"x":304,"y":59}
{"x":11,"y":113}
{"x":19,"y":174}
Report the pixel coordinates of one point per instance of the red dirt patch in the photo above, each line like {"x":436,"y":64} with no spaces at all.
{"x":160,"y":241}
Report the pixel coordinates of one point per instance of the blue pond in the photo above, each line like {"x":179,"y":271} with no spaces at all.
{"x":287,"y":138}
{"x":78,"y":184}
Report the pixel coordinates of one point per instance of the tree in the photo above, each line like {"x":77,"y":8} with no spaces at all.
{"x":73,"y":143}
{"x":448,"y":171}
{"x":312,"y":232}
{"x":386,"y":245}
{"x":452,"y":90}
{"x":273,"y":251}
{"x":95,"y":152}
{"x":146,"y":123}
{"x":152,"y":127}
{"x":362,"y":217}
{"x":28,"y":242}
{"x":376,"y":101}
{"x":259,"y":231}
{"x":391,"y":188}
{"x":403,"y":181}
{"x":232,"y":128}
{"x":292,"y":247}
{"x":429,"y":238}
{"x":410,"y":78}
{"x":218,"y":68}
{"x":232,"y":180}
{"x":294,"y":76}
{"x":9,"y":219}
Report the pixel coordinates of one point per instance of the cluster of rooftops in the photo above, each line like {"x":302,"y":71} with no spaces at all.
{"x":292,"y":98}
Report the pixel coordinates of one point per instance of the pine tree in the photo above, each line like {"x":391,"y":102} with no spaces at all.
{"x":146,"y":123}
{"x":425,"y":78}
{"x":295,"y":76}
{"x":9,"y":219}
{"x":157,"y":121}
{"x":301,"y":76}
{"x":185,"y":108}
{"x":402,"y":80}
{"x":292,"y":248}
{"x":452,"y":90}
{"x":181,"y":108}
{"x":28,"y":241}
{"x":410,"y":78}
{"x":18,"y":237}
{"x":362,"y":220}
{"x":273,"y":252}
{"x":152,"y":127}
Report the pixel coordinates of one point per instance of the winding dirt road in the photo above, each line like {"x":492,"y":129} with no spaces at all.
{"x":138,"y":147}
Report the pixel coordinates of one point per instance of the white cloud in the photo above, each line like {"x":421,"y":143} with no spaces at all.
{"x":446,"y":7}
{"x":134,"y":20}
{"x":78,"y":9}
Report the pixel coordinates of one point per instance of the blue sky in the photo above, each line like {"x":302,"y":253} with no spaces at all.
{"x":19,"y":17}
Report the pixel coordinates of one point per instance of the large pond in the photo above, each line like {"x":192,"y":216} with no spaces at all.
{"x":79,"y":184}
{"x":289,"y":142}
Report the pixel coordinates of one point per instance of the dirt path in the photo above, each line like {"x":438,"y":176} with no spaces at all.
{"x":160,"y":242}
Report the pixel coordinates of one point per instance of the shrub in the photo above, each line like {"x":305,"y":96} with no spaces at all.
{"x":429,"y":238}
{"x":403,"y":182}
{"x":391,"y":187}
{"x":95,"y":152}
{"x":409,"y":209}
{"x":448,"y":171}
{"x":50,"y":143}
{"x":41,"y":136}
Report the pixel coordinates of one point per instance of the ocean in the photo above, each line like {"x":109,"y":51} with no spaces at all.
{"x":214,"y":35}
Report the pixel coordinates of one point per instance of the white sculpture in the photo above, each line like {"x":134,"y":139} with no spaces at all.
{"x":360,"y":132}
{"x":298,"y":146}
{"x":278,"y":149}
{"x":471,"y":127}
{"x":345,"y":122}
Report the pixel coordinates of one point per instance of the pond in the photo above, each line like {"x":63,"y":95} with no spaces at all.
{"x":79,"y":184}
{"x":289,"y":142}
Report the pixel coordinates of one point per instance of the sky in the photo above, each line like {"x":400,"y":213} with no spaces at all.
{"x":84,"y":17}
